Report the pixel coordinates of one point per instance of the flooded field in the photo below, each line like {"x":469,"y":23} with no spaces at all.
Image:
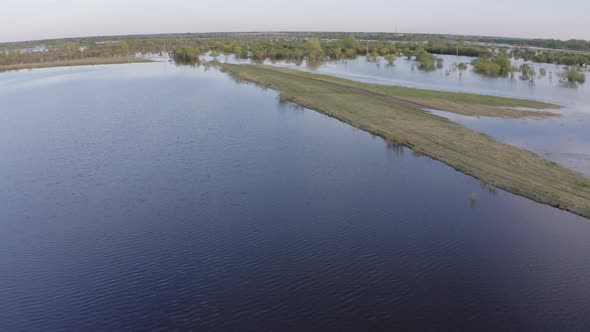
{"x":565,"y":140}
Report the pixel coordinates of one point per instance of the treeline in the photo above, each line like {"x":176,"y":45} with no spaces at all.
{"x":560,"y":58}
{"x":493,"y":62}
{"x":295,"y":47}
{"x":313,"y":50}
{"x":288,"y":49}
{"x":67,"y":51}
{"x":279,"y":47}
{"x":556,"y":44}
{"x":572,"y":44}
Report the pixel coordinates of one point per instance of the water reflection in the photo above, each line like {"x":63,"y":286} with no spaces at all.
{"x":397,"y":148}
{"x":290,"y":106}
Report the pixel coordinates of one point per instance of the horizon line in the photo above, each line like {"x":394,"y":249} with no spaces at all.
{"x":284,"y":31}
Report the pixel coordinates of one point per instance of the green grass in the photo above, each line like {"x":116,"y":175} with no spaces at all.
{"x":460,"y":103}
{"x":395,"y":114}
{"x":75,"y":62}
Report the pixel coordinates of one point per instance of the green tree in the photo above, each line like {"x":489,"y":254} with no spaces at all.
{"x":237,"y":50}
{"x":122,"y":47}
{"x":335,"y":53}
{"x":573,"y":75}
{"x":350,"y":53}
{"x":314,"y":51}
{"x":131,"y":43}
{"x":350,"y":42}
{"x":542,"y":72}
{"x":13,"y":54}
{"x":505,"y":65}
{"x":73,"y":49}
{"x":390,"y":58}
{"x":227,"y":49}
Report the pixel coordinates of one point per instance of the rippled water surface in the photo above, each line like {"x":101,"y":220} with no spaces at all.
{"x":146,"y":196}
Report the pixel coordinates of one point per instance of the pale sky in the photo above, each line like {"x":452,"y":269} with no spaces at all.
{"x":41,"y":19}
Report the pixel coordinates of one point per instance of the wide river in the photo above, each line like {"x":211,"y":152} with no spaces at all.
{"x":153,"y":197}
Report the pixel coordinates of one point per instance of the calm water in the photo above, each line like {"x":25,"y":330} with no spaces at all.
{"x":146,"y":197}
{"x":565,"y":140}
{"x":406,"y":73}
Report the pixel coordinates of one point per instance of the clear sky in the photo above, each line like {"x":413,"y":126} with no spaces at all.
{"x":40,"y":19}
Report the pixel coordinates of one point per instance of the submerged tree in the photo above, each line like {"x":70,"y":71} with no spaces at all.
{"x":426,"y":60}
{"x":391,"y":59}
{"x":493,"y":67}
{"x":214,"y":54}
{"x":527,"y":73}
{"x":186,"y":55}
{"x":350,"y":46}
{"x":573,"y":75}
{"x":314,"y":51}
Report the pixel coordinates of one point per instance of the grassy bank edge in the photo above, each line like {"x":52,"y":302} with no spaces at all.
{"x":546,"y":183}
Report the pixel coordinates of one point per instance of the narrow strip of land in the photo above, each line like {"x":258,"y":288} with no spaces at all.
{"x":396,"y":114}
{"x":75,"y":62}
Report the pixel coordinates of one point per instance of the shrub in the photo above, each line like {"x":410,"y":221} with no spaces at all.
{"x":493,"y":67}
{"x":575,"y":76}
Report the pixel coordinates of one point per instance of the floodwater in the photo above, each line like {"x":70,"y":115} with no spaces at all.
{"x":565,"y":140}
{"x":153,"y":197}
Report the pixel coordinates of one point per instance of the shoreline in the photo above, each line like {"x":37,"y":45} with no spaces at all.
{"x":74,"y":63}
{"x":393,"y":114}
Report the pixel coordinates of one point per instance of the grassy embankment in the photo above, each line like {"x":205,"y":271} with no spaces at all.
{"x":395,"y":114}
{"x":75,"y":62}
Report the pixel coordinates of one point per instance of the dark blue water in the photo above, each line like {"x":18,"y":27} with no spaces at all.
{"x":149,"y":197}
